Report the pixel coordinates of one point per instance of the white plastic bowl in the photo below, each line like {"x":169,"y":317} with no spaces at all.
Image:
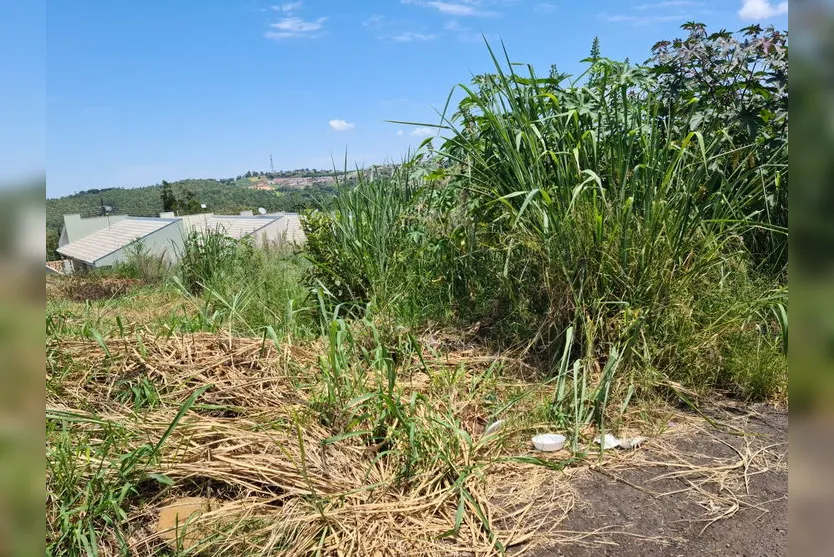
{"x":549,"y":442}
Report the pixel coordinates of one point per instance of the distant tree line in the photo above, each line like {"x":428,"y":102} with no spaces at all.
{"x":297,"y":173}
{"x":183,"y":197}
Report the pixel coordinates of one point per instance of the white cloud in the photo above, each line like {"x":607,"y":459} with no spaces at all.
{"x":294,"y":27}
{"x":409,"y":36}
{"x":421,"y":131}
{"x":545,"y":7}
{"x":453,"y":9}
{"x":669,"y":4}
{"x":341,"y":125}
{"x":287,"y":8}
{"x":400,"y":132}
{"x":462,"y":8}
{"x":761,"y":9}
{"x":643,"y":20}
{"x":465,"y":34}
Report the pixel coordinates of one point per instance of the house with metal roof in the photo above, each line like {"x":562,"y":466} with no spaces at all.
{"x":105,"y":247}
{"x":235,"y":226}
{"x":76,"y":228}
{"x":164,"y":236}
{"x":266,"y":229}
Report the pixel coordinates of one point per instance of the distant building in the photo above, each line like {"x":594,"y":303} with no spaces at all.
{"x":288,"y":228}
{"x":275,"y":228}
{"x":108,"y":246}
{"x":164,"y":236}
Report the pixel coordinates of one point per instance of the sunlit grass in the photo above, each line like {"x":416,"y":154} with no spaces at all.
{"x":562,"y":262}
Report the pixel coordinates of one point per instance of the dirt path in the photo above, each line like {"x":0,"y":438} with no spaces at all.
{"x":695,"y":492}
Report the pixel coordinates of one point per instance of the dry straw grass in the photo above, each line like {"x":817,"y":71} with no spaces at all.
{"x":80,"y":288}
{"x":252,"y":444}
{"x":249,"y":456}
{"x":719,"y":483}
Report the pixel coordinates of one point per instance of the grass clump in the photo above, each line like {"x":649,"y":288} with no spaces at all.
{"x":143,"y":265}
{"x":251,"y":289}
{"x":381,"y":241}
{"x":102,"y":456}
{"x":555,"y":205}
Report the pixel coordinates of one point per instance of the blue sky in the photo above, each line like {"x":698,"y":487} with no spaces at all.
{"x":22,"y":93}
{"x":141,"y":92}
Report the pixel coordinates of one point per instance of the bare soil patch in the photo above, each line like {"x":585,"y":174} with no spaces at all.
{"x":694,"y":491}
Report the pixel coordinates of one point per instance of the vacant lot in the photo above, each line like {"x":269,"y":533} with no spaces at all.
{"x":143,"y":418}
{"x":596,"y":255}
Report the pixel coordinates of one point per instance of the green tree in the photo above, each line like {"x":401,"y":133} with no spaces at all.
{"x":169,"y":201}
{"x":52,"y":246}
{"x":188,"y":205}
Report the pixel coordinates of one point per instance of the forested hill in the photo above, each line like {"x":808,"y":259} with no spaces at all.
{"x":219,"y":197}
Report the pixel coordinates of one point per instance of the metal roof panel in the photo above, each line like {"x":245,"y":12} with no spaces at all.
{"x":102,"y":243}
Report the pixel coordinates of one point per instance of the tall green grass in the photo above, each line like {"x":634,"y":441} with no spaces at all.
{"x":142,"y":264}
{"x":250,"y":290}
{"x":381,"y":241}
{"x":92,"y":475}
{"x":595,"y":204}
{"x":555,"y":205}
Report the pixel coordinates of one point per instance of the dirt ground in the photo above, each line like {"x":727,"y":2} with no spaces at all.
{"x":697,"y":491}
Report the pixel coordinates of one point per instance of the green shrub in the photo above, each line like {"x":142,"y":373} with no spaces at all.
{"x":555,"y":205}
{"x":736,"y":83}
{"x":141,"y":264}
{"x":382,"y":242}
{"x":212,"y":258}
{"x":253,"y":290}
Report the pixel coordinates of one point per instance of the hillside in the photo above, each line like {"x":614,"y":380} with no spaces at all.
{"x":219,"y":197}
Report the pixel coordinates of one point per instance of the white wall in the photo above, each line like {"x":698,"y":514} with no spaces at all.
{"x":285,"y":230}
{"x":76,"y":228}
{"x":166,"y":242}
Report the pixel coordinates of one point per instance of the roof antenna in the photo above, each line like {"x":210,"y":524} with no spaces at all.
{"x":104,"y":211}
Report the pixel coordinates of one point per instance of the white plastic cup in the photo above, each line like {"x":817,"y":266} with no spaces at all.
{"x":549,"y":442}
